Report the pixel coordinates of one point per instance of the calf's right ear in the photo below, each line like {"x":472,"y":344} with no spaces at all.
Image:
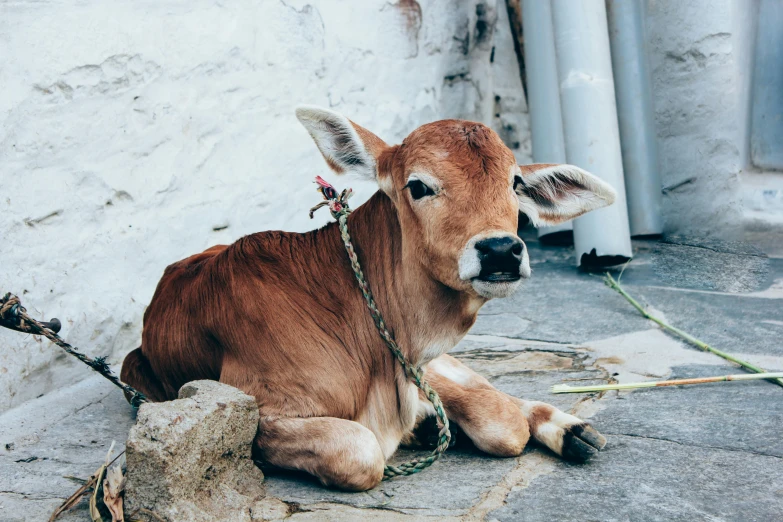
{"x":551,"y":194}
{"x":346,"y":146}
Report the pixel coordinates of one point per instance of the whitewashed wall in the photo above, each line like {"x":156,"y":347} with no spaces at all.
{"x":702,"y":60}
{"x":135,"y":133}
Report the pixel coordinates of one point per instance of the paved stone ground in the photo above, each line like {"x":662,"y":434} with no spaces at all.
{"x":712,"y":452}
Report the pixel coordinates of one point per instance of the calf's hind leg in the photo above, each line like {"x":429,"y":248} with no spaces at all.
{"x":500,"y":424}
{"x":340,"y":453}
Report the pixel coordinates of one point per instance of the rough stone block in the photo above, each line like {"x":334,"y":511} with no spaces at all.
{"x":189,"y":459}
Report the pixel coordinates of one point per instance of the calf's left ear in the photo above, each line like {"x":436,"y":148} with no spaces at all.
{"x":551,"y":194}
{"x":346,"y":146}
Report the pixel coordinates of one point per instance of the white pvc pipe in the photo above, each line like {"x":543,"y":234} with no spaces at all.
{"x":635,"y":116}
{"x":543,"y":96}
{"x":590,"y":128}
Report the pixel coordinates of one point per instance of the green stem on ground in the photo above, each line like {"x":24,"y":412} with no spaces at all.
{"x":564,"y":388}
{"x":614,"y":285}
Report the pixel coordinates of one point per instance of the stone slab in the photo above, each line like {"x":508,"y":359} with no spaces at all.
{"x":709,"y":264}
{"x":739,"y":416}
{"x":734,"y":324}
{"x":562,"y":305}
{"x":448,"y":488}
{"x":65,"y":433}
{"x":640,"y":479}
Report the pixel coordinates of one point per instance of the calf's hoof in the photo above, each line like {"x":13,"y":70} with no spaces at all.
{"x":581,"y":442}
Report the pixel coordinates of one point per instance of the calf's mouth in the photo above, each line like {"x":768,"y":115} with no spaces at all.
{"x":499,"y":277}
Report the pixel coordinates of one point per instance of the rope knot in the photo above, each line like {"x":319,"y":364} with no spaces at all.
{"x":12,"y":314}
{"x":9,"y":307}
{"x":337,"y":203}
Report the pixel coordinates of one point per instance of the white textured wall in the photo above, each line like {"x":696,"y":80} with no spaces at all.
{"x":135,"y":133}
{"x":697,"y":97}
{"x":701,"y":58}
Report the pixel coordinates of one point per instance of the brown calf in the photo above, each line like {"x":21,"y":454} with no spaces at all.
{"x":280,"y":316}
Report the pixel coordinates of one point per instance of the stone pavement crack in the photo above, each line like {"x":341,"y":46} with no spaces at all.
{"x":339,"y":502}
{"x":26,"y":496}
{"x":91,"y":403}
{"x":516,"y":340}
{"x":529,"y":467}
{"x":713,"y":249}
{"x":703,"y":446}
{"x":55,"y":422}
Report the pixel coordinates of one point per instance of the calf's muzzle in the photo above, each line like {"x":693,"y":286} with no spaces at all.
{"x":500,"y":258}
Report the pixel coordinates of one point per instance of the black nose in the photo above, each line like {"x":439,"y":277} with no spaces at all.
{"x":500,"y":257}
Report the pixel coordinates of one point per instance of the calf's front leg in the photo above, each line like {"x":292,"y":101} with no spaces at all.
{"x":340,"y":453}
{"x":566,"y":435}
{"x":500,"y":424}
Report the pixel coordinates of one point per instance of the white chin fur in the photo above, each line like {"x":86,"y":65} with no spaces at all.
{"x":489,"y":290}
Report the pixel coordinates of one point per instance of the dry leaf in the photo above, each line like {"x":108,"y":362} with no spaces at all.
{"x":95,"y":514}
{"x":97,"y":495}
{"x":113,"y":489}
{"x":95,"y":483}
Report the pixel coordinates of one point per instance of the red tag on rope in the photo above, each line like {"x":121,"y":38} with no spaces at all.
{"x":325,"y":188}
{"x":337,"y":203}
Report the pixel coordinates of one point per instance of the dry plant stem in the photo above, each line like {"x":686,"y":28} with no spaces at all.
{"x":563,"y":388}
{"x":72,"y":500}
{"x":614,"y":285}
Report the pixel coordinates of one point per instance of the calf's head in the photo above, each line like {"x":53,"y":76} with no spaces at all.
{"x":458,"y":192}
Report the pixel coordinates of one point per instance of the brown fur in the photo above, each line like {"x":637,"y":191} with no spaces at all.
{"x":280,"y":316}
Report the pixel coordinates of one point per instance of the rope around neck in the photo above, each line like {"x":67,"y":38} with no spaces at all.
{"x":338,"y":206}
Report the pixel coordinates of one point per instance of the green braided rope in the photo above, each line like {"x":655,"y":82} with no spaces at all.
{"x":414,"y":373}
{"x":338,"y":206}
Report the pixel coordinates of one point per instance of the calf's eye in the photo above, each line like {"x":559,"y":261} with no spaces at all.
{"x":419,"y":189}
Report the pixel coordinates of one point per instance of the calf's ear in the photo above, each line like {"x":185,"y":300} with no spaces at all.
{"x":346,"y":146}
{"x":551,"y":194}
